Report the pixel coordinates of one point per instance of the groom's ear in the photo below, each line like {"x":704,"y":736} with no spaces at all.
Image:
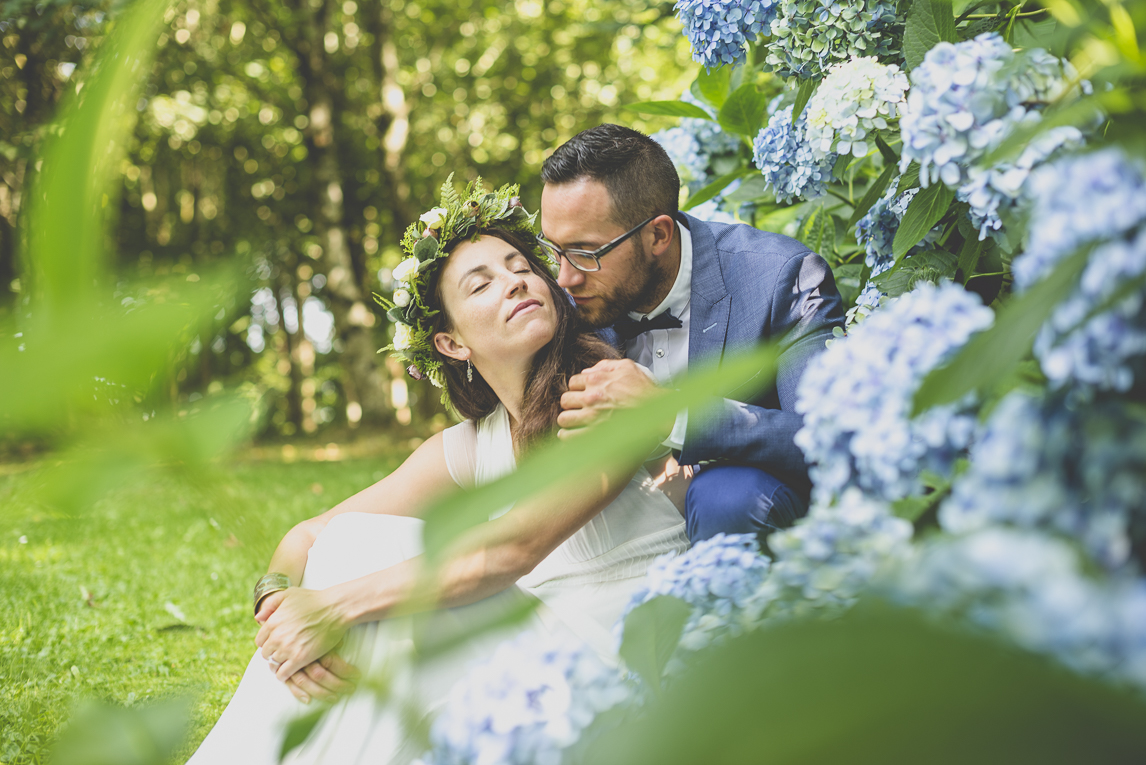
{"x":448,"y":346}
{"x":663,"y":228}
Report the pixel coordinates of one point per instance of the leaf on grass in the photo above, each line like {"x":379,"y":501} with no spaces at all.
{"x":925,"y":210}
{"x":803,"y":95}
{"x":714,"y":188}
{"x":872,"y":195}
{"x":929,"y":22}
{"x":668,"y":109}
{"x":743,"y":112}
{"x":652,"y":631}
{"x":991,"y":355}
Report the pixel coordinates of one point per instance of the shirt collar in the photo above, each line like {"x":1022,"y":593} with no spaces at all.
{"x":677,"y":299}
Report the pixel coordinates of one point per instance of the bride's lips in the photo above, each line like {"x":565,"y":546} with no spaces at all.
{"x":522,"y":306}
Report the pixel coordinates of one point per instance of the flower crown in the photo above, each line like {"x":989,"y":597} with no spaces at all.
{"x":427,"y":243}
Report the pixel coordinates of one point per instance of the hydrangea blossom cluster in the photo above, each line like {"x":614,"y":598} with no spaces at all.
{"x":875,"y":232}
{"x":527,"y":704}
{"x":1030,"y":587}
{"x":856,"y":397}
{"x":717,"y":577}
{"x":1042,"y":464}
{"x":1093,"y":198}
{"x":694,"y":145}
{"x":719,"y":30}
{"x":782,"y":153}
{"x":826,"y":559}
{"x":965,"y":99}
{"x":808,"y":36}
{"x":856,"y":99}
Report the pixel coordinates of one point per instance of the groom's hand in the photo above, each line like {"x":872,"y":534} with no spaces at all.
{"x":594,"y":394}
{"x":327,"y":679}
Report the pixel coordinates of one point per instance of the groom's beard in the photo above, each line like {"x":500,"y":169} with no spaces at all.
{"x":637,"y":290}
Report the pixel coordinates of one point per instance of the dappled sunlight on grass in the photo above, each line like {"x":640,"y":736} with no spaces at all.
{"x":147,"y":594}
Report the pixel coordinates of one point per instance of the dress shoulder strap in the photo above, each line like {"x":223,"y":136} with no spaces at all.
{"x":460,"y":442}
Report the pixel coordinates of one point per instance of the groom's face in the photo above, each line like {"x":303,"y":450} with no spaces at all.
{"x":579,"y":215}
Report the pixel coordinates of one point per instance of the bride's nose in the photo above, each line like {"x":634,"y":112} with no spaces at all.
{"x":517,"y":283}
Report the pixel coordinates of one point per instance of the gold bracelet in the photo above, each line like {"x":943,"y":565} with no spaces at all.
{"x":269,"y":584}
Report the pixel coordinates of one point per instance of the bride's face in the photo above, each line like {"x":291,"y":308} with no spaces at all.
{"x":500,"y":310}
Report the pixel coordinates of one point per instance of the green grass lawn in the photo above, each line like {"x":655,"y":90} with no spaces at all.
{"x":145,"y":595}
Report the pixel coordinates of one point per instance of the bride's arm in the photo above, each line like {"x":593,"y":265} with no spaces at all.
{"x":422,"y":478}
{"x":306,"y":624}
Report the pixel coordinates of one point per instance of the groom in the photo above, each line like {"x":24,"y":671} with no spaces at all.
{"x":678,"y":292}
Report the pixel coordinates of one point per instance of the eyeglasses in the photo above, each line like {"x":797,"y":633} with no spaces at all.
{"x":587,"y":260}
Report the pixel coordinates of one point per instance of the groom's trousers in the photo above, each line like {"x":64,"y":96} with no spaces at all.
{"x":737,"y":499}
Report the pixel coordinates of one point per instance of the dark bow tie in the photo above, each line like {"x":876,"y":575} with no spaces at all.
{"x":627,"y":329}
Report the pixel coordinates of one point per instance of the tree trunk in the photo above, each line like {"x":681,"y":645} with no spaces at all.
{"x":362,"y":379}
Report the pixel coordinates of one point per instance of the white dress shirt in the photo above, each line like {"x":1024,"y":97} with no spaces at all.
{"x":664,"y":352}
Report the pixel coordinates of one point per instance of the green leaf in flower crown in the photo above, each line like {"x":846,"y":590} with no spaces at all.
{"x":872,"y":195}
{"x":426,"y":249}
{"x":743,"y":112}
{"x":803,"y":95}
{"x":929,"y":22}
{"x":714,"y":188}
{"x":396,"y":315}
{"x":925,"y":210}
{"x":652,"y":631}
{"x":991,"y":355}
{"x":668,"y":109}
{"x":713,"y":85}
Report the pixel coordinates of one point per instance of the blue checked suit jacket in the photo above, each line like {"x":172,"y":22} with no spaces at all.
{"x":751,"y":286}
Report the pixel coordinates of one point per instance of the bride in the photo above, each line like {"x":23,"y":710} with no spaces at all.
{"x":479,"y":315}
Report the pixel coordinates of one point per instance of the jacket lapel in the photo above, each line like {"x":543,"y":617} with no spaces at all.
{"x":710,"y":303}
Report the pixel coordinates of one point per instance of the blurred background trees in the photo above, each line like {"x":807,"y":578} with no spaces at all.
{"x":299,"y":139}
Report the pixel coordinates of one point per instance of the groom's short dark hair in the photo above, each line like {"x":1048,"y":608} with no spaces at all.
{"x":635,"y":169}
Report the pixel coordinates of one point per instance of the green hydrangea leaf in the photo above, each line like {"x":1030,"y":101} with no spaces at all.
{"x":929,"y":22}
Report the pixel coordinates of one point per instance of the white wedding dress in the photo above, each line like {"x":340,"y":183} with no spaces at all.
{"x":582,"y":586}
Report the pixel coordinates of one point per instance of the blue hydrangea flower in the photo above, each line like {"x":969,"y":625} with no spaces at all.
{"x":828,"y":558}
{"x":526,"y":705}
{"x":696,"y":146}
{"x":965,"y":99}
{"x":1097,"y":198}
{"x":785,"y":157}
{"x":875,"y":232}
{"x":856,"y":397}
{"x":717,"y":577}
{"x":1031,"y":588}
{"x":808,"y":36}
{"x":1079,"y":470}
{"x":719,"y":30}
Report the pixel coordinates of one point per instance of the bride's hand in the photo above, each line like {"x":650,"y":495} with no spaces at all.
{"x":327,"y":679}
{"x":301,"y":626}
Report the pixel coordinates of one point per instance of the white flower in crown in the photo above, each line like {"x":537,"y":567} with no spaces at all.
{"x":406,"y":269}
{"x":401,"y":298}
{"x":434,"y":218}
{"x":403,"y":336}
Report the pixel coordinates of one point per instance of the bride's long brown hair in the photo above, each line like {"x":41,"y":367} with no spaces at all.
{"x":573,"y":348}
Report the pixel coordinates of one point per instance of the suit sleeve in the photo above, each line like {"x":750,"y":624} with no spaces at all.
{"x":805,"y":308}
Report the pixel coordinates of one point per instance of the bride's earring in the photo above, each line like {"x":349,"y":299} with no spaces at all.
{"x":469,"y":371}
